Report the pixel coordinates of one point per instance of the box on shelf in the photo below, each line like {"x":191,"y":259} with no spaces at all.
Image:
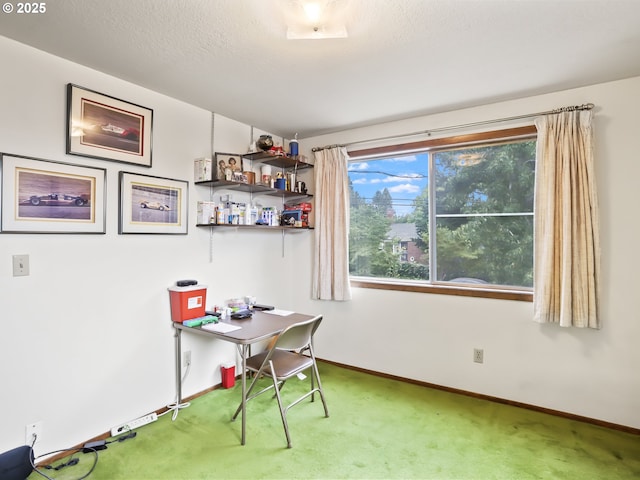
{"x":233,"y":213}
{"x":305,"y":207}
{"x":202,"y":169}
{"x":206,"y":212}
{"x":291,"y":217}
{"x":270,"y":216}
{"x":187,"y":302}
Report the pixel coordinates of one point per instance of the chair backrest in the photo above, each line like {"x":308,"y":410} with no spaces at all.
{"x":298,"y":335}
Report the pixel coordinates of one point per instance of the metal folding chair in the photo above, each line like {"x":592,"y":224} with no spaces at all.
{"x":289,"y":354}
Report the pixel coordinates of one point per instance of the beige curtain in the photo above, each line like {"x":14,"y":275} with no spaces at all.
{"x":567,"y":248}
{"x":331,"y":249}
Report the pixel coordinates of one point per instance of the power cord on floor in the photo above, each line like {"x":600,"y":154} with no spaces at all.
{"x":72,"y":461}
{"x":122,"y":438}
{"x":176,"y":406}
{"x":89,"y":447}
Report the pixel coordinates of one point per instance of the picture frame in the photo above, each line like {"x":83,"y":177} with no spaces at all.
{"x":227,"y":166}
{"x":150,"y":204}
{"x":104,"y":127}
{"x":46,"y":196}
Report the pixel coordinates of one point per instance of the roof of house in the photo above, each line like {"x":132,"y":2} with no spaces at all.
{"x":405,"y":232}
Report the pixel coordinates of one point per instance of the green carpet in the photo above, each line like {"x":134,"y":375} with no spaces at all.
{"x":377,"y":429}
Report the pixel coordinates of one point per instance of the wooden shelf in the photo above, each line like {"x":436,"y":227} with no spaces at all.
{"x":278,"y":160}
{"x":254,"y":227}
{"x":244,"y":187}
{"x":254,"y":188}
{"x":287,"y":196}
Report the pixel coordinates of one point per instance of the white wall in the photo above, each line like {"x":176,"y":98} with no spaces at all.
{"x":431,"y":337}
{"x":86,"y":339}
{"x":87,"y":342}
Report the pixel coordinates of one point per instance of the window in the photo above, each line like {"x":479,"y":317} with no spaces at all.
{"x":452,"y":212}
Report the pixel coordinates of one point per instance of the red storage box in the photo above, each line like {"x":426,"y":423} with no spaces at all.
{"x":187,"y":302}
{"x":305,"y":207}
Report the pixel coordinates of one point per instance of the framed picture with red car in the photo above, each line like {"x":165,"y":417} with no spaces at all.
{"x":105,"y":127}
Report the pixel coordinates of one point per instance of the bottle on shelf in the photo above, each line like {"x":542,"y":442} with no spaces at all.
{"x":293,"y":146}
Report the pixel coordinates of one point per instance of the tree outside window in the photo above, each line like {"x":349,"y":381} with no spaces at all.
{"x":471,"y":222}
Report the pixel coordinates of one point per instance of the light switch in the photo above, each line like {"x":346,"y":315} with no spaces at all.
{"x":20,"y":265}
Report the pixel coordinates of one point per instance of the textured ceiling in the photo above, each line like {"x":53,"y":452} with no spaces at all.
{"x":403,"y":58}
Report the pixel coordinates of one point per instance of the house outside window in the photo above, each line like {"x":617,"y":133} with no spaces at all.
{"x":447,"y":212}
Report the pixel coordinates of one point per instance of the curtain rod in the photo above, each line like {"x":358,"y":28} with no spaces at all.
{"x":585,"y":106}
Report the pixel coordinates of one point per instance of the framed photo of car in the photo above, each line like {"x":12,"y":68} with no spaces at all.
{"x":105,"y":127}
{"x":44,"y":196}
{"x":152,"y":204}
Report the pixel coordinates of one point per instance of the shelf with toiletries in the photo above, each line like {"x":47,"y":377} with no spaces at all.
{"x":261,"y":173}
{"x":254,"y":227}
{"x":254,"y":188}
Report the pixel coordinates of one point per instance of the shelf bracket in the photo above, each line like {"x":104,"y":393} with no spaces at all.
{"x":211,"y":245}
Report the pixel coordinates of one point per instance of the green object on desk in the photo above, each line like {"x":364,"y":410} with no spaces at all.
{"x":196,"y":322}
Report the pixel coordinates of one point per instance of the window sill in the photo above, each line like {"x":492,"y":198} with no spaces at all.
{"x":500,"y":293}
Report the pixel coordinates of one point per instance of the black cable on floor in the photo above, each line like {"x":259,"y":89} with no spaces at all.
{"x":72,"y":461}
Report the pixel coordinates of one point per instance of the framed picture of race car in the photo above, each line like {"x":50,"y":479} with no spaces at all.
{"x":44,"y":196}
{"x":105,"y":127}
{"x":151,"y":204}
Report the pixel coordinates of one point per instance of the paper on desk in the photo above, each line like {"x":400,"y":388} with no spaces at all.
{"x":277,"y":311}
{"x":220,"y":327}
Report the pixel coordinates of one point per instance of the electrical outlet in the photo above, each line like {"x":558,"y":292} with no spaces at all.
{"x":186,"y":360}
{"x":478,"y":355}
{"x":32,"y":432}
{"x":20,"y":265}
{"x":138,"y":422}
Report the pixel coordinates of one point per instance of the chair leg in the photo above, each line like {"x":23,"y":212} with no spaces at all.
{"x":280,"y":385}
{"x":313,"y":395}
{"x":320,"y":391}
{"x":283,"y":413}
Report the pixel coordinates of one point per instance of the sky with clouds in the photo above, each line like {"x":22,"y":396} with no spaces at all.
{"x":405,"y":177}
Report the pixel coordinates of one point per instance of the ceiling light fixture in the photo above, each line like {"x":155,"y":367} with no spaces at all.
{"x":313,"y":10}
{"x":315,"y":20}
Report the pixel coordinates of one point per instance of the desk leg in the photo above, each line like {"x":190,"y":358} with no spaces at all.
{"x":178,"y":341}
{"x":243,"y":350}
{"x":244,"y":390}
